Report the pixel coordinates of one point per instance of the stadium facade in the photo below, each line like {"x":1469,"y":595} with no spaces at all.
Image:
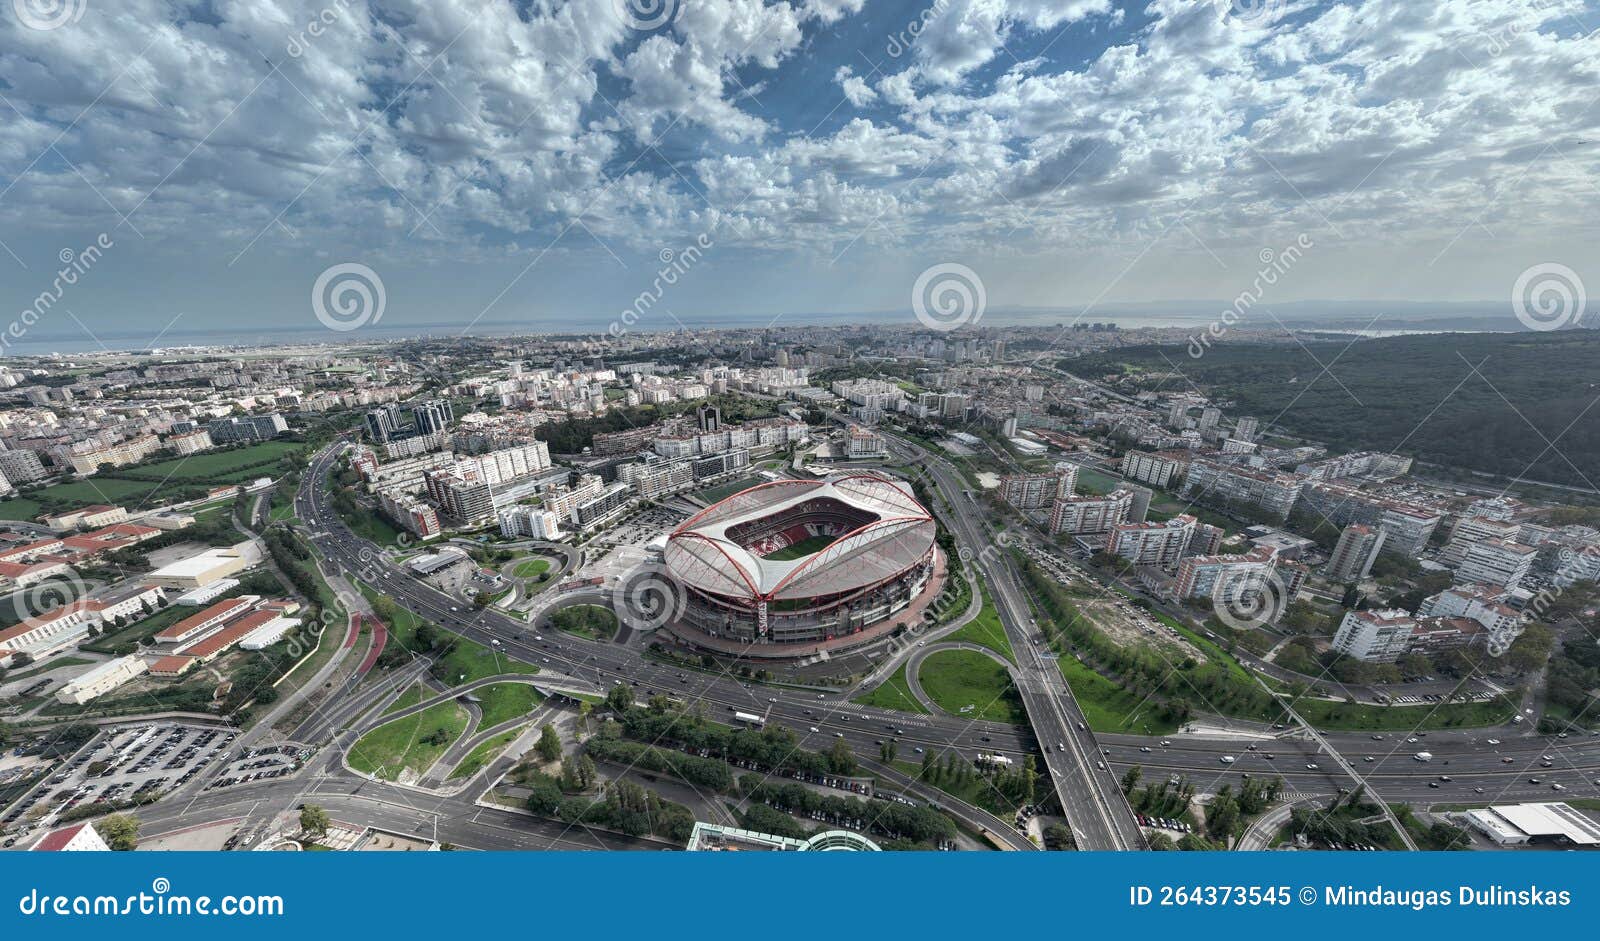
{"x":803,"y":564}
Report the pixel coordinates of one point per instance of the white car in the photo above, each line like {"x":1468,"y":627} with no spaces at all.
{"x":1227,"y":759}
{"x":815,"y":729}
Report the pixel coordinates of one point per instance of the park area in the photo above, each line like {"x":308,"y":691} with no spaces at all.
{"x":161,"y":482}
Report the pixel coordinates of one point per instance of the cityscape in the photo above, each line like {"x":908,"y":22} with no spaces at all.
{"x":863,"y":479}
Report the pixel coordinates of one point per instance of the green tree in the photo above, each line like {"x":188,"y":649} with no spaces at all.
{"x":841,"y":760}
{"x":549,"y":745}
{"x":120,"y":831}
{"x":314,"y":820}
{"x":620,"y":698}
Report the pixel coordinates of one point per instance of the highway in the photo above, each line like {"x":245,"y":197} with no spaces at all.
{"x":1084,"y":767}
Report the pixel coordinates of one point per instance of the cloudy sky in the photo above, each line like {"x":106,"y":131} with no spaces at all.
{"x":533,"y":161}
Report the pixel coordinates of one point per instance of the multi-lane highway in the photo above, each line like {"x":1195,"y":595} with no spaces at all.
{"x":1084,"y":768}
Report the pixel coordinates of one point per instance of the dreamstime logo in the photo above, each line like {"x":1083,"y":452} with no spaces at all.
{"x":49,"y":14}
{"x":675,"y":265}
{"x":947,"y":297}
{"x":301,"y":41}
{"x":647,"y":597}
{"x":46,"y":596}
{"x":1246,"y":601}
{"x":1274,"y":266}
{"x":1250,"y":14}
{"x":647,"y":15}
{"x":1548,"y":297}
{"x":74,"y":266}
{"x":348,"y":297}
{"x":901,"y":42}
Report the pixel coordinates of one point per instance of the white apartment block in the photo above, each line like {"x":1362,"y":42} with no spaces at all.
{"x":101,"y":680}
{"x":1158,"y":544}
{"x":1375,"y":636}
{"x":1087,"y":515}
{"x":1496,"y":562}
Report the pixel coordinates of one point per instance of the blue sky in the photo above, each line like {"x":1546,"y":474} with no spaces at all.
{"x":530,"y":162}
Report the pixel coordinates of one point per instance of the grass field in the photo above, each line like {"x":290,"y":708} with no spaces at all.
{"x":1108,"y":707}
{"x":957,"y":679}
{"x":505,"y":701}
{"x":119,"y":640}
{"x":159,"y":482}
{"x":414,"y":742}
{"x":406,"y":700}
{"x":586,"y":620}
{"x":1367,"y":717}
{"x":800,"y":549}
{"x":473,"y":661}
{"x":486,"y":751}
{"x":531,"y":568}
{"x":893,"y":694}
{"x":727,"y":490}
{"x":985,"y":630}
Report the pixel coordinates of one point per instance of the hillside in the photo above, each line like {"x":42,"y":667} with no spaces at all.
{"x":1529,"y":410}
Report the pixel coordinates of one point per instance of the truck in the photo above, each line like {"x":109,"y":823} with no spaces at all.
{"x":745,"y":718}
{"x":1423,"y":756}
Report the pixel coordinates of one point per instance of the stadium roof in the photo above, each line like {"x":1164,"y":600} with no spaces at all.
{"x":899,"y":532}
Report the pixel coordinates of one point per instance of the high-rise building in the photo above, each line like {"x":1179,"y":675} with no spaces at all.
{"x":1357,"y":549}
{"x":1496,"y":562}
{"x":383,"y":423}
{"x":1158,"y":544}
{"x":1088,"y":515}
{"x":1246,"y":429}
{"x":710,"y":417}
{"x":1158,"y":469}
{"x":1037,"y":491}
{"x":1375,"y":636}
{"x":433,"y":416}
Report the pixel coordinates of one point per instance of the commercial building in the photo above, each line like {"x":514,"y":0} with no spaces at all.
{"x":87,"y":517}
{"x":1515,"y":824}
{"x":100,"y":680}
{"x":197,"y":625}
{"x":200,"y":569}
{"x":531,"y":522}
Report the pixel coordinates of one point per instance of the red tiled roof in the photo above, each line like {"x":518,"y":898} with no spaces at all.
{"x":228,"y":607}
{"x":171,"y":666}
{"x":228,"y":636}
{"x":57,"y":841}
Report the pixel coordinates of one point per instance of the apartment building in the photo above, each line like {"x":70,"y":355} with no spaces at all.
{"x":1357,"y":549}
{"x":1496,"y":562}
{"x":1158,"y":544}
{"x":1156,"y":468}
{"x":1088,"y":515}
{"x":1037,"y":491}
{"x":1269,"y":491}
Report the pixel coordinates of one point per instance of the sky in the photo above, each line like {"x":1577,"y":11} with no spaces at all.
{"x":213,"y":164}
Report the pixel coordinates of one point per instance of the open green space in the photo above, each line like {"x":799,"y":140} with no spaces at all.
{"x":411,"y":743}
{"x":586,"y":620}
{"x":894,"y":693}
{"x":484,"y":752}
{"x":531,"y":568}
{"x":125,"y":640}
{"x":1108,"y":707}
{"x":958,"y":679}
{"x":405,"y":700}
{"x":800,"y":549}
{"x":468,"y":661}
{"x":985,"y":630}
{"x":164,"y":481}
{"x":713,"y":494}
{"x":503,"y":702}
{"x":1325,"y":714}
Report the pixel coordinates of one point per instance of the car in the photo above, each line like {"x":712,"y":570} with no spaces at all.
{"x":838,"y":735}
{"x":1166,"y":742}
{"x":1433,"y":784}
{"x":1312,"y":766}
{"x":1506,"y":760}
{"x":1145,"y":750}
{"x":1377,"y":738}
{"x":1494,"y":741}
{"x":1226,"y":759}
{"x":1535,"y":781}
{"x":1369,"y":759}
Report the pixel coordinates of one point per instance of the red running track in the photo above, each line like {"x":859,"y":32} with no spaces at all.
{"x":380,"y":636}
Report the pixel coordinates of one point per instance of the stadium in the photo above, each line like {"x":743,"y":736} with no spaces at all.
{"x":791,"y":566}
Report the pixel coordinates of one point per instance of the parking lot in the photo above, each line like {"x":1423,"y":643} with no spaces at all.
{"x":257,"y":764}
{"x":122,"y":768}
